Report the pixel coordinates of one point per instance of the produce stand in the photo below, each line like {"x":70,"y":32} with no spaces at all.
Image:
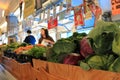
{"x":74,"y":53}
{"x":44,"y":70}
{"x":96,"y":57}
{"x":22,"y":71}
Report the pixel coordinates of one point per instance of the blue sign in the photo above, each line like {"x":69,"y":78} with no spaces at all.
{"x":77,"y":2}
{"x":12,"y":21}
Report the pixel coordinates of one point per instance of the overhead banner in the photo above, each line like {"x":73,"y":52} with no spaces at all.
{"x":88,"y":13}
{"x":40,"y":16}
{"x":95,"y":9}
{"x":68,"y":5}
{"x":61,"y":7}
{"x":68,"y":1}
{"x":52,"y":23}
{"x":38,"y":4}
{"x":115,"y":7}
{"x":62,"y":15}
{"x":48,"y":14}
{"x":54,"y":11}
{"x":96,"y":2}
{"x":78,"y":17}
{"x":29,"y":7}
{"x":43,"y":14}
{"x":92,"y":7}
{"x":84,"y":6}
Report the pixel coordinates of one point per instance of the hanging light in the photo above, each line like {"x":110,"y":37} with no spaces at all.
{"x":3,"y":12}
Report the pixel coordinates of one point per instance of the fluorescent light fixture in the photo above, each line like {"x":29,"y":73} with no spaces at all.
{"x":3,"y":12}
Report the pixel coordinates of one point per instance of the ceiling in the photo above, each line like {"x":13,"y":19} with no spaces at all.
{"x":4,"y":4}
{"x":7,"y":6}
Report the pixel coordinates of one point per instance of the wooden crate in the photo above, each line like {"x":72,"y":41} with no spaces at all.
{"x":61,"y":70}
{"x":43,"y":70}
{"x":39,"y":75}
{"x":37,"y":63}
{"x":70,"y":72}
{"x":22,"y":71}
{"x":25,"y":71}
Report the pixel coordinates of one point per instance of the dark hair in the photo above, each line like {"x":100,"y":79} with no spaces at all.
{"x":46,"y":32}
{"x":29,"y":31}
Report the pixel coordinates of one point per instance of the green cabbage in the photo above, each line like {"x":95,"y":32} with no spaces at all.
{"x":101,"y":62}
{"x":97,"y":62}
{"x":115,"y":66}
{"x":64,"y":46}
{"x":103,"y":35}
{"x":116,"y":44}
{"x":103,"y":43}
{"x":84,"y":65}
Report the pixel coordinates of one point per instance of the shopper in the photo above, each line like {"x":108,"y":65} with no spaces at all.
{"x":45,"y":38}
{"x":30,"y":39}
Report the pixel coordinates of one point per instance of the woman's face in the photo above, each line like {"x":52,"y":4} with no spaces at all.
{"x":42,"y":32}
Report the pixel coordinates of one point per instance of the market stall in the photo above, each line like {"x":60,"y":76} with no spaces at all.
{"x":85,"y":47}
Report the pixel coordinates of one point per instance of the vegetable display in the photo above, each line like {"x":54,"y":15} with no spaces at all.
{"x":37,"y":52}
{"x":70,"y":44}
{"x":63,"y":47}
{"x":105,"y":41}
{"x":100,"y":49}
{"x":12,"y":46}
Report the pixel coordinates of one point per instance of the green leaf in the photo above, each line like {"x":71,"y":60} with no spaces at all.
{"x":115,"y":66}
{"x":84,"y":66}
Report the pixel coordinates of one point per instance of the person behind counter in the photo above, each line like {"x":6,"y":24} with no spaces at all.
{"x":45,"y":38}
{"x":30,"y":39}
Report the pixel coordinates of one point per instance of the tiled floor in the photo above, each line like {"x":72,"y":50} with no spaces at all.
{"x":5,"y":75}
